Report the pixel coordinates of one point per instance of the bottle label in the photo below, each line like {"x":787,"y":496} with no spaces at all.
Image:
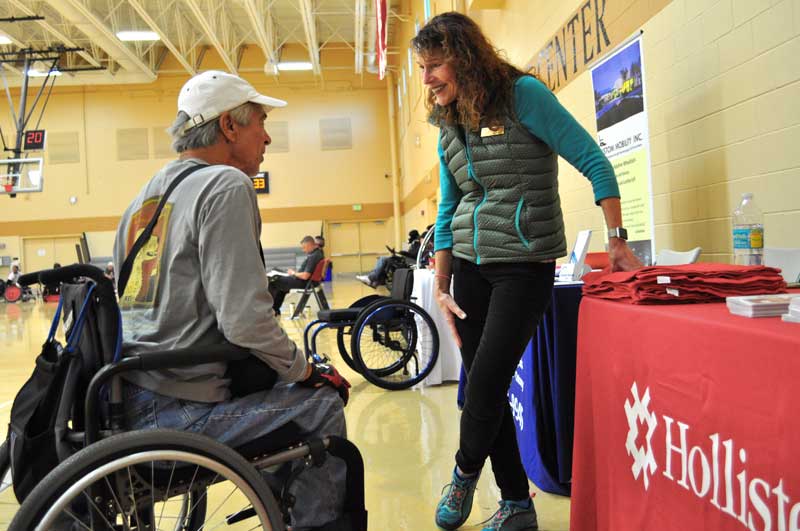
{"x":748,"y":238}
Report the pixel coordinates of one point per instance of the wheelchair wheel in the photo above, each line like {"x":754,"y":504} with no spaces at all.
{"x":151,"y":479}
{"x":12,"y":293}
{"x":395,"y":344}
{"x":342,"y":344}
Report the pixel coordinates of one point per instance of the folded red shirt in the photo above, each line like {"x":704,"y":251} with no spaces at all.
{"x":704,"y":282}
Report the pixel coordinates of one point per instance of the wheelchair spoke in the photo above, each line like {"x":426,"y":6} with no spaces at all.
{"x":97,"y":509}
{"x":166,"y":492}
{"x":219,"y":506}
{"x":133,"y":498}
{"x":78,"y":520}
{"x":201,"y":498}
{"x":116,"y":500}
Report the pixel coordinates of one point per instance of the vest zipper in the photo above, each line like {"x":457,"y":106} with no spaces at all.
{"x":471,"y":173}
{"x":517,"y":225}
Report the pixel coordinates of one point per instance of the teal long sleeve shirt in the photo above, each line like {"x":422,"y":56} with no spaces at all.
{"x":540,"y":112}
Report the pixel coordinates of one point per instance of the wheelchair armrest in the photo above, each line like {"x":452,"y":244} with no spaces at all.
{"x":182,"y":357}
{"x":64,"y":274}
{"x":166,"y":359}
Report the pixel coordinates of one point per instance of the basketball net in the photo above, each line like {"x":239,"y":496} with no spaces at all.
{"x":8,"y":183}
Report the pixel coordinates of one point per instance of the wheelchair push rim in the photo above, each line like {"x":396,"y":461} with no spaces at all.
{"x":111,"y":491}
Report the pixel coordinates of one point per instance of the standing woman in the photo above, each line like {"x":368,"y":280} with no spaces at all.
{"x":499,"y":231}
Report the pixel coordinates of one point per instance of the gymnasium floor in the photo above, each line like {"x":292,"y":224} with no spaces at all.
{"x":405,"y":472}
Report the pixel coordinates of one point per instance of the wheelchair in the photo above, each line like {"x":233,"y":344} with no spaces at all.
{"x":16,"y":292}
{"x":393,"y":342}
{"x":102,"y":477}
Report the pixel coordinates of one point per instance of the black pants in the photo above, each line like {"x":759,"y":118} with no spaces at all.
{"x":504,"y":304}
{"x":279,"y":286}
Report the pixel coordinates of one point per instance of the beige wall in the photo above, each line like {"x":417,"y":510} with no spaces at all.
{"x":722,"y":86}
{"x":307,"y":183}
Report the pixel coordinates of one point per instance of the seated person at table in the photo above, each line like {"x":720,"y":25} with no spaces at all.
{"x":377,"y":277}
{"x":280,"y":285}
{"x":320,"y":241}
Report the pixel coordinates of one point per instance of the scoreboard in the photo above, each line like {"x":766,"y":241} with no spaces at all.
{"x":261,"y":182}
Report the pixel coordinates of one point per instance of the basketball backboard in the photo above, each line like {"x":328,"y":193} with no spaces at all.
{"x":20,"y":175}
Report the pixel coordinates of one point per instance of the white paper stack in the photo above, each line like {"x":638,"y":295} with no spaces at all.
{"x":794,"y":311}
{"x":760,"y":305}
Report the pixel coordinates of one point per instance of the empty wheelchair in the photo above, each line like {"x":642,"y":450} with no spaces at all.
{"x":75,"y":467}
{"x":391,"y":341}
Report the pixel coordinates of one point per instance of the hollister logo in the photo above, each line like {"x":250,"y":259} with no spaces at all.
{"x":644,"y":462}
{"x":707,"y":470}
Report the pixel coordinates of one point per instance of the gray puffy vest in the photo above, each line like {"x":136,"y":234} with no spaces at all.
{"x":509,"y":210}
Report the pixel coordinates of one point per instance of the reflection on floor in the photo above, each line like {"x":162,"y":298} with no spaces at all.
{"x":408,"y":438}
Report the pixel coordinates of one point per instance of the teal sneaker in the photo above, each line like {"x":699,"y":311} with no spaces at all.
{"x":514,"y":516}
{"x":455,"y":506}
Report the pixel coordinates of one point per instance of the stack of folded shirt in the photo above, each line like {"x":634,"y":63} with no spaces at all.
{"x":684,"y":283}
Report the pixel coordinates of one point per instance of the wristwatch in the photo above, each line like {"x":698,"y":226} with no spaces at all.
{"x":618,"y":232}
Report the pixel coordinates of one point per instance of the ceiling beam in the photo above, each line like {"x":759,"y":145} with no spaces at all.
{"x":310,"y":28}
{"x":86,"y":21}
{"x":212,"y":31}
{"x":264,"y":29}
{"x":66,"y":41}
{"x":142,"y":12}
{"x":360,"y":15}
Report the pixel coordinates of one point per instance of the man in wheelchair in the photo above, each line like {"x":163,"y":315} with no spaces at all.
{"x":199,"y":280}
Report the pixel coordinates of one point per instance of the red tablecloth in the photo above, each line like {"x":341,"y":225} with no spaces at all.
{"x":720,"y":391}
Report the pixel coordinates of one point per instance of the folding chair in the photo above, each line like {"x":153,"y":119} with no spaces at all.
{"x":313,"y":287}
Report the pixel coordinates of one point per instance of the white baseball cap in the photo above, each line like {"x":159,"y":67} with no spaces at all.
{"x":209,"y":94}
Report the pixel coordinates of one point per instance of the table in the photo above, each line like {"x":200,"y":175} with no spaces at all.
{"x":686,"y":417}
{"x":448,"y":366}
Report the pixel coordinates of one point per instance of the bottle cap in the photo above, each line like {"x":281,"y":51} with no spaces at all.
{"x":747,"y":195}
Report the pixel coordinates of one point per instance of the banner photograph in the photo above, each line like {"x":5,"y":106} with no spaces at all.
{"x":622,"y":132}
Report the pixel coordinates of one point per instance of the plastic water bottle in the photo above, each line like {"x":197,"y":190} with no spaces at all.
{"x":748,"y":232}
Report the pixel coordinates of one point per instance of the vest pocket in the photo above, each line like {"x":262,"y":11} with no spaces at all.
{"x":517,"y":215}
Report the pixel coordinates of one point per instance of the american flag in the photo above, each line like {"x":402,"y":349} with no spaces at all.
{"x":381,"y":38}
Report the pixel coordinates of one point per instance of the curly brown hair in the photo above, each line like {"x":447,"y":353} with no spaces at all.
{"x":484,"y":78}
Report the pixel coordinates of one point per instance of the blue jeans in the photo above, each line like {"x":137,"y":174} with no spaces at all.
{"x":317,"y":412}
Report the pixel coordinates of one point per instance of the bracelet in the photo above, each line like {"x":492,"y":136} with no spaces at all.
{"x":448,"y":277}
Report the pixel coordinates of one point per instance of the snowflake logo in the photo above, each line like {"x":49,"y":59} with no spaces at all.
{"x":644,"y":462}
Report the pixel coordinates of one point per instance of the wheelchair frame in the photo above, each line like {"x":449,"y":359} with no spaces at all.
{"x":375,"y":312}
{"x":103,"y":432}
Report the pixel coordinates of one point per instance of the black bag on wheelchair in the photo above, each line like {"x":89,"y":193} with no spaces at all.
{"x":39,"y":414}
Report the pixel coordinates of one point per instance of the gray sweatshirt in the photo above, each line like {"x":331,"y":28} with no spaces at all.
{"x":199,"y":281}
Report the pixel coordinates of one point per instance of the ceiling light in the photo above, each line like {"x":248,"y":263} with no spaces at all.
{"x":294,"y":65}
{"x":39,"y":73}
{"x":138,"y":36}
{"x":4,"y":39}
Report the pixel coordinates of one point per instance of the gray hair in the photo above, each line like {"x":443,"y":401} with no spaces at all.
{"x":206,"y":134}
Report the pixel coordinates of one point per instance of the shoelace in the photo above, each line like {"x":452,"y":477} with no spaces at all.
{"x":506,"y":509}
{"x":455,"y":497}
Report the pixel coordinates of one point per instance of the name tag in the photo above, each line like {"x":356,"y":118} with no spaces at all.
{"x":486,"y":131}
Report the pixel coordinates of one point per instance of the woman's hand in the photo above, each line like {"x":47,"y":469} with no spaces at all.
{"x":621,"y":256}
{"x":449,"y":310}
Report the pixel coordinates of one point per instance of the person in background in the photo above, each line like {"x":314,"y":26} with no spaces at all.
{"x":14,"y":274}
{"x":377,"y":277}
{"x":499,"y":230}
{"x":320,"y":241}
{"x":109,"y":271}
{"x":280,"y":285}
